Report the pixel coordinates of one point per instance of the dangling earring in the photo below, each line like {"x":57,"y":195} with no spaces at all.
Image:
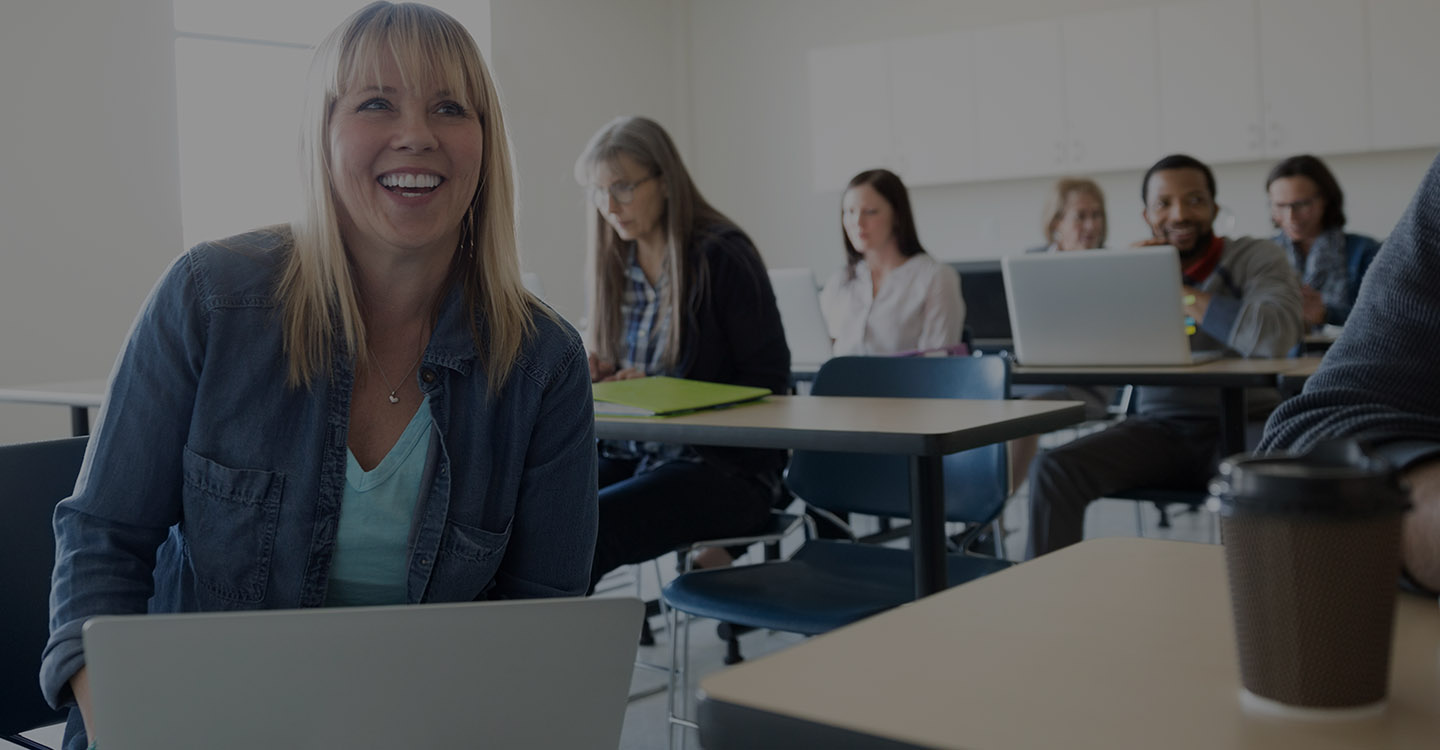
{"x":467,"y":232}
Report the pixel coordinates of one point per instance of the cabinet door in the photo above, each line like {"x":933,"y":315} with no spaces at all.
{"x":1313,"y":76}
{"x":849,"y":112}
{"x":1112,"y":114}
{"x":1019,"y":107}
{"x":1404,"y":73}
{"x":933,"y":118}
{"x":1210,"y":88}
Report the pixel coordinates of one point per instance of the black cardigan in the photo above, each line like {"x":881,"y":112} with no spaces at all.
{"x":732,"y":334}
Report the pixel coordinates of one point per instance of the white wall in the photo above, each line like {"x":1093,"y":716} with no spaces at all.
{"x":565,"y":68}
{"x":89,"y":200}
{"x":751,"y":140}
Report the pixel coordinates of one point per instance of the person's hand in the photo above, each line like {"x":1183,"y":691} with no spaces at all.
{"x":1196,"y":302}
{"x":629,"y":373}
{"x":1149,"y":242}
{"x":1421,"y":542}
{"x":80,"y":686}
{"x":1312,"y":306}
{"x":600,"y":370}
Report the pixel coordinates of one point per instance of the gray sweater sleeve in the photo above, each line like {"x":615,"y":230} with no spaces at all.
{"x":1265,"y":321}
{"x":1379,"y":381}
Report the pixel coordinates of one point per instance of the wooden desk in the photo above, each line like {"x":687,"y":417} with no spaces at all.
{"x":1231,"y":376}
{"x":79,"y":395}
{"x":924,"y":429}
{"x":1111,"y":643}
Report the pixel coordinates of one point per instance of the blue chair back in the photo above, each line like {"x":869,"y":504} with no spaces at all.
{"x":976,"y":481}
{"x":33,"y":478}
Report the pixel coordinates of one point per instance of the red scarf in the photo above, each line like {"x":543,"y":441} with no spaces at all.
{"x":1199,"y":270}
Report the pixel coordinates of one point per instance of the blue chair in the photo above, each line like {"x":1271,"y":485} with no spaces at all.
{"x":34,"y":477}
{"x":828,"y":584}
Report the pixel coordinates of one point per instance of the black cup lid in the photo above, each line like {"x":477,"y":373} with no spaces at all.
{"x":1335,"y":477}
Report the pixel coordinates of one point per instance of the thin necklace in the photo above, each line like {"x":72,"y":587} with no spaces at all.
{"x":393,"y":398}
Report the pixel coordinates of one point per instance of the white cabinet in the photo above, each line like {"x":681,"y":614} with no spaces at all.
{"x":1019,"y":102}
{"x":1209,"y":86}
{"x":1112,"y":117}
{"x":933,"y":95}
{"x":1313,"y":76}
{"x":1223,"y":80}
{"x":849,"y":112}
{"x":1404,"y":73}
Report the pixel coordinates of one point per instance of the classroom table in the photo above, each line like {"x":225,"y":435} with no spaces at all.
{"x":79,"y":395}
{"x":1231,"y":376}
{"x":922,"y":428}
{"x":1111,"y":643}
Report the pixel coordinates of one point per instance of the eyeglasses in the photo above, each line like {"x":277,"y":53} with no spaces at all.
{"x":1294,"y":206}
{"x":622,"y":192}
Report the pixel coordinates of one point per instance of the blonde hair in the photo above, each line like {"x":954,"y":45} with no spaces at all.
{"x":1060,"y":193}
{"x":317,"y":291}
{"x":688,"y":219}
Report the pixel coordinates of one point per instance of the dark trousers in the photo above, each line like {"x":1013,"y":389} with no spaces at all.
{"x":1138,"y":452}
{"x":645,"y":515}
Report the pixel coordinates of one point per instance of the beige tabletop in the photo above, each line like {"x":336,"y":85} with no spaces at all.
{"x":913,"y":426}
{"x":77,"y":393}
{"x":1112,"y":643}
{"x":1259,"y":368}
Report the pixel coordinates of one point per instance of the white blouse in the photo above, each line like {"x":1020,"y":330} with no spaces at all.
{"x":918,"y":307}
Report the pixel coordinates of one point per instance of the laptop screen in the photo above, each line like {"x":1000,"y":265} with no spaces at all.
{"x":982,"y":284}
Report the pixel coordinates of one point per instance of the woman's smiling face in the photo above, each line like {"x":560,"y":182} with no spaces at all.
{"x":404,"y":162}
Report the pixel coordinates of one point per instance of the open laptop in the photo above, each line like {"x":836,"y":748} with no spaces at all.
{"x":987,"y":315}
{"x":1106,"y":307}
{"x":534,"y":673}
{"x":798,"y":296}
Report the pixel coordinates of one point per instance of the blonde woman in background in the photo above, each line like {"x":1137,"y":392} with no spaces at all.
{"x":1074,"y":219}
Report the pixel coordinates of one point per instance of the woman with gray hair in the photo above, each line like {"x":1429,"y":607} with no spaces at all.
{"x":362,"y":407}
{"x":676,"y":289}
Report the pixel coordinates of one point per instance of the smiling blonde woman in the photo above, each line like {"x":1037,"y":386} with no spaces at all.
{"x":364,"y":407}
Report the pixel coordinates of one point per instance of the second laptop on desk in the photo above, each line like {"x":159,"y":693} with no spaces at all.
{"x":1099,"y":307}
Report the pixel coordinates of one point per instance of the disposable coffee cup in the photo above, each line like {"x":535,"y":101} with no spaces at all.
{"x":1312,"y":548}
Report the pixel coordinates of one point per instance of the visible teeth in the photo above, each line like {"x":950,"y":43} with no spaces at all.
{"x":410,"y":180}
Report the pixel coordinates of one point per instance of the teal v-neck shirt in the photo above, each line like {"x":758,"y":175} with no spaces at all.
{"x":372,"y":542}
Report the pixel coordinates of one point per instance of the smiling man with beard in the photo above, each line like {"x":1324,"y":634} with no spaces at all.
{"x":1243,"y":297}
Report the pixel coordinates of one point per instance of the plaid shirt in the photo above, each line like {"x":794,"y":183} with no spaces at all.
{"x":647,"y":319}
{"x":647,"y":329}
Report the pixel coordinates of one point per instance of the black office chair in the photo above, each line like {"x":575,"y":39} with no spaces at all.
{"x":34,"y":477}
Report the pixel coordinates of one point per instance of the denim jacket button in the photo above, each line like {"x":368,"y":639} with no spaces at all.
{"x":427,"y":375}
{"x":425,"y":561}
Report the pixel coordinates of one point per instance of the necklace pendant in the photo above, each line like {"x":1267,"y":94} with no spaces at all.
{"x":393,"y":398}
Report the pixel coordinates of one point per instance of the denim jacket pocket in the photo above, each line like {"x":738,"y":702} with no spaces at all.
{"x":229,"y":526}
{"x":468,"y":559}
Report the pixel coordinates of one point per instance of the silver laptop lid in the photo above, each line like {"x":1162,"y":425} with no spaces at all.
{"x":798,"y":297}
{"x":1097,"y":307}
{"x":534,"y":673}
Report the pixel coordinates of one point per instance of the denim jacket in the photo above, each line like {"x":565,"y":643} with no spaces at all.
{"x":209,"y":484}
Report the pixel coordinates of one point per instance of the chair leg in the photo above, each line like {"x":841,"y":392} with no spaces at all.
{"x":1164,"y":516}
{"x":1140,"y":519}
{"x":730,"y":633}
{"x":999,"y":531}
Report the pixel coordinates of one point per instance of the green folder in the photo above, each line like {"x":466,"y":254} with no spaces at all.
{"x":661,"y":396}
